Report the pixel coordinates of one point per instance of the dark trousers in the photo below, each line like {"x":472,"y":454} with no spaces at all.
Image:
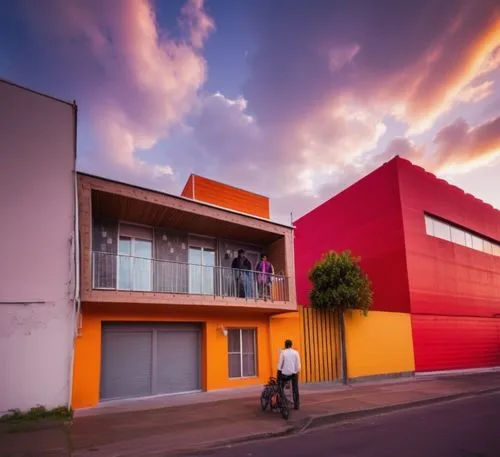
{"x":282,"y":379}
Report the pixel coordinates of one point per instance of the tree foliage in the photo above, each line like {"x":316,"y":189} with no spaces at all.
{"x":339,"y":283}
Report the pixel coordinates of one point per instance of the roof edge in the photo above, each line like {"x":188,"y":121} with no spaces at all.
{"x":456,"y":188}
{"x":36,"y":92}
{"x":186,"y":199}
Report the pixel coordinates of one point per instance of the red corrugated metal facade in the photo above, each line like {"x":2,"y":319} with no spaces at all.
{"x":454,"y":289}
{"x":451,"y":290}
{"x":447,"y":343}
{"x":366,"y":219}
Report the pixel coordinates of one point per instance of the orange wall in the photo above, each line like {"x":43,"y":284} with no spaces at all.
{"x":216,"y":193}
{"x":188,"y":188}
{"x":86,"y":380}
{"x":283,"y":327}
{"x":378,"y":344}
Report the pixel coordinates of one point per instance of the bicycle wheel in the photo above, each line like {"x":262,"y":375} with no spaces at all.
{"x":264,"y":399}
{"x":284,"y":406}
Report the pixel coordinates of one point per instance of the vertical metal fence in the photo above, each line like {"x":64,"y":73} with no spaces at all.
{"x":122,"y":272}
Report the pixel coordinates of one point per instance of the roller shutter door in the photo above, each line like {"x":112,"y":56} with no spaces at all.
{"x":140,"y":360}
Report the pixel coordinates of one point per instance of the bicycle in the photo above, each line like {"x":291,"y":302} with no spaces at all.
{"x":277,"y":397}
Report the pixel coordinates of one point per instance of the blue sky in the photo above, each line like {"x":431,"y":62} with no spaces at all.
{"x":291,"y":100}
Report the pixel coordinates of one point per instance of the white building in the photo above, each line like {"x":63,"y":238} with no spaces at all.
{"x":38,"y":248}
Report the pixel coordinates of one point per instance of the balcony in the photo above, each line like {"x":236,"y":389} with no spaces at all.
{"x":148,"y":248}
{"x":115,"y":272}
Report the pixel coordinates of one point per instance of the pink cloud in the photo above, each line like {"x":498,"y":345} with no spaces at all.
{"x":393,"y":67}
{"x":342,"y":56}
{"x":477,"y":93}
{"x":492,"y":62}
{"x":456,"y":147}
{"x":463,"y":146}
{"x":441,"y":77}
{"x":197,"y":23}
{"x":136,"y":82}
{"x":314,"y":111}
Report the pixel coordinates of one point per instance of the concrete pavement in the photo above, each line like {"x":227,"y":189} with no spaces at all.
{"x":465,"y":427}
{"x":202,"y":424}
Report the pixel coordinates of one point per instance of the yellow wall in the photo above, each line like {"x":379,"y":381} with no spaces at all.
{"x":283,"y":327}
{"x":86,"y":380}
{"x":377,"y":344}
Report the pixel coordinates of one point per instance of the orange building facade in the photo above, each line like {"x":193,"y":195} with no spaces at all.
{"x":206,"y":190}
{"x":163,"y":311}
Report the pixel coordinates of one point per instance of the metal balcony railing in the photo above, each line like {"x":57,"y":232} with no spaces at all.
{"x":127,"y":273}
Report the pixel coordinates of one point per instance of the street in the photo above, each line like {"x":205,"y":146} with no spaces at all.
{"x":463,"y":428}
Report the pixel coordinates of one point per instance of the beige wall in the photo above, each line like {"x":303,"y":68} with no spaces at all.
{"x":37,"y":162}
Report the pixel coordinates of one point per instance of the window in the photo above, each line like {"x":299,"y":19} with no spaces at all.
{"x":201,"y":270}
{"x":135,"y":257}
{"x":468,"y":240}
{"x":457,"y":235}
{"x":487,"y":247}
{"x":477,"y":243}
{"x":134,"y":264}
{"x":242,"y":353}
{"x":442,"y":230}
{"x":429,"y":225}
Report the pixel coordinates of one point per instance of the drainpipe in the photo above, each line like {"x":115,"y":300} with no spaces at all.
{"x":76,"y":250}
{"x":345,"y":375}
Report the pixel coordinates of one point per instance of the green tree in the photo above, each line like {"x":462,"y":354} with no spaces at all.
{"x":340,"y":284}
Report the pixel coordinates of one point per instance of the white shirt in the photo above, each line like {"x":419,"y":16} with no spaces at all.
{"x":289,"y":362}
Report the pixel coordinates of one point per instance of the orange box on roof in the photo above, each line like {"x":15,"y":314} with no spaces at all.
{"x":214,"y":192}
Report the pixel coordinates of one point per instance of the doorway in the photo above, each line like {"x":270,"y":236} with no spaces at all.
{"x":135,"y":264}
{"x":201,"y":270}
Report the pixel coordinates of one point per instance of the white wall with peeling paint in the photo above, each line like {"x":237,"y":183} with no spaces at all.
{"x":37,"y":268}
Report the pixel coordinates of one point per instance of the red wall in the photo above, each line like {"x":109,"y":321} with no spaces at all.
{"x":445,"y":278}
{"x":452,"y":291}
{"x":366,"y":219}
{"x":447,"y":343}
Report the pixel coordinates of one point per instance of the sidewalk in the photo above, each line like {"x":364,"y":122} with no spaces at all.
{"x":182,"y":428}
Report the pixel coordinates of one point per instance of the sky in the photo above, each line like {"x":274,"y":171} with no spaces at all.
{"x":291,"y":99}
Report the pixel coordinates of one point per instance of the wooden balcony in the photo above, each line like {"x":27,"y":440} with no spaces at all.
{"x":141,"y":247}
{"x":144,"y":280}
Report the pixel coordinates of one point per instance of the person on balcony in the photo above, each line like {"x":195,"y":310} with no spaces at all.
{"x":264,"y":271}
{"x":242,"y":268}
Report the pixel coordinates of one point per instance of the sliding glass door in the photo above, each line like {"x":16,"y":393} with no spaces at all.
{"x":135,"y":264}
{"x":201,"y":270}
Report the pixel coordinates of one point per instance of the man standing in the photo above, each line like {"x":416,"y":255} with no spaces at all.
{"x":242,"y":267}
{"x":289,"y":368}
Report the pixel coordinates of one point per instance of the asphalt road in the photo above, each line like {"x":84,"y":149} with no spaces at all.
{"x":464,"y":428}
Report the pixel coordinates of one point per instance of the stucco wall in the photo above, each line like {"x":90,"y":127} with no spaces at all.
{"x":214,"y":345}
{"x":37,"y":161}
{"x":378,"y":344}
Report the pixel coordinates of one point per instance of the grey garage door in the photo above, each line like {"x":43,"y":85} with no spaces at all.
{"x":149,"y":359}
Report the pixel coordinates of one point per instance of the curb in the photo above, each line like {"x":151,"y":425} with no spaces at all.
{"x":288,"y":431}
{"x":333,"y":418}
{"x":321,"y":420}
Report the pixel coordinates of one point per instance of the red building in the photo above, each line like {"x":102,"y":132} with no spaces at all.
{"x":430,"y":249}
